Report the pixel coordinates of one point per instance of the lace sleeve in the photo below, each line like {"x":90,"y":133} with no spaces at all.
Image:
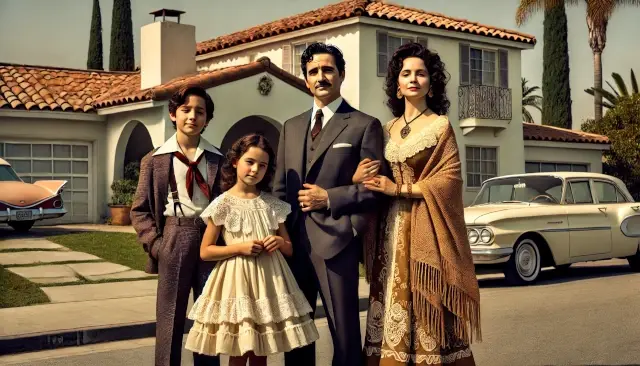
{"x":217,"y":211}
{"x":279,"y":209}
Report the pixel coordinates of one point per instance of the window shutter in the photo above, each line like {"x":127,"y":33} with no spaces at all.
{"x":286,"y":58}
{"x":381,"y":41}
{"x":503,"y":61}
{"x":464,"y":64}
{"x":423,"y":41}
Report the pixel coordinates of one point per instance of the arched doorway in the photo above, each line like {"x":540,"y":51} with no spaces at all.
{"x":265,"y":126}
{"x":138,"y":145}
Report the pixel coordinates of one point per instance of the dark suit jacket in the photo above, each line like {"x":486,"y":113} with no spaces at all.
{"x":330,"y":230}
{"x":151,"y":198}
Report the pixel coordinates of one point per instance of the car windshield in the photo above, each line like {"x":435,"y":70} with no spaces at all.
{"x":538,"y":189}
{"x":7,"y":174}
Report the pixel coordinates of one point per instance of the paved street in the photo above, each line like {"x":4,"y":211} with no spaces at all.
{"x":589,"y":316}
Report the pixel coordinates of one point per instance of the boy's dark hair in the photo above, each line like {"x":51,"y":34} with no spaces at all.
{"x":240,"y":147}
{"x":180,"y":97}
{"x":320,"y":48}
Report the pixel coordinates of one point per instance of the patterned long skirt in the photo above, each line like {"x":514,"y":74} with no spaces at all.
{"x":394,"y":335}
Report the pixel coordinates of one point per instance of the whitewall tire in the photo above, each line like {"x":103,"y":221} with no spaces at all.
{"x":523,"y":267}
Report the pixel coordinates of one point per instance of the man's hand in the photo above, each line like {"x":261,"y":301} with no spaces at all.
{"x":312,"y":198}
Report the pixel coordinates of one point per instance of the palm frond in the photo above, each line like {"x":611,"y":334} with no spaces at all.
{"x":529,"y":7}
{"x":526,"y":116}
{"x":634,"y":83}
{"x":622,"y":87}
{"x":613,"y":89}
{"x":533,"y":101}
{"x":610,"y":98}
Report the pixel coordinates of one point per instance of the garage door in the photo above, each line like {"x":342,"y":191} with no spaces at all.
{"x":56,"y":160}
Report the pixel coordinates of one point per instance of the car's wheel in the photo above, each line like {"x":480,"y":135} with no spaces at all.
{"x":634,"y":261}
{"x":21,"y":226}
{"x":523,"y":266}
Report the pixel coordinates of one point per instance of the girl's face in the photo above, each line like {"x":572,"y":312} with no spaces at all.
{"x":414,"y":78}
{"x":252,"y":166}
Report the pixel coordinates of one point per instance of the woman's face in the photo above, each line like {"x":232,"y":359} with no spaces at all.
{"x":414,"y":78}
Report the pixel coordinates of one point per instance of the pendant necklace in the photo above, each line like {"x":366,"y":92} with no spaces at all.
{"x":406,"y":130}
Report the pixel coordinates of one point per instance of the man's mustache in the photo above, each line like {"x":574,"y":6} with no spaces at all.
{"x":322,"y":84}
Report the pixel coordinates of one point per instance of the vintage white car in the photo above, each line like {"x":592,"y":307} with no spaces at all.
{"x":519,"y":224}
{"x":22,"y":204}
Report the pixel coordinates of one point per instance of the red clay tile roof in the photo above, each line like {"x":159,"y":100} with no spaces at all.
{"x":549,"y":133}
{"x":58,"y":89}
{"x":354,"y":8}
{"x":55,"y":89}
{"x":131,"y":92}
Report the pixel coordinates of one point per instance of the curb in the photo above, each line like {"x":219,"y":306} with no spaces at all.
{"x":82,"y":337}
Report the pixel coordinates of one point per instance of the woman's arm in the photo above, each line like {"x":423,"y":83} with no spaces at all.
{"x":209,"y":251}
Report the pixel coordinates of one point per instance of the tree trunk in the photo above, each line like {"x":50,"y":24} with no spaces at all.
{"x":597,"y":42}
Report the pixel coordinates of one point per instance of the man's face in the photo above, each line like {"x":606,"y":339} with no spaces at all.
{"x":323,"y":78}
{"x":190,"y":118}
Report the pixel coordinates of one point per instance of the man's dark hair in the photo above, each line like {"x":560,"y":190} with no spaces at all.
{"x":180,"y":97}
{"x":322,"y":48}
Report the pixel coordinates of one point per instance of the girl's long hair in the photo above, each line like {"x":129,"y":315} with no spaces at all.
{"x":229,"y":174}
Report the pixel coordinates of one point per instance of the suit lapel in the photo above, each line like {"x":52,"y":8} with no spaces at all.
{"x":334,"y":127}
{"x":300,"y":129}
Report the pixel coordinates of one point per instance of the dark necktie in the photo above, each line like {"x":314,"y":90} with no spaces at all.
{"x":193,"y":173}
{"x":317,"y":126}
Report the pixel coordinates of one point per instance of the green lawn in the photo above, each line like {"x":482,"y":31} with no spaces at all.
{"x":120,"y":248}
{"x":17,"y":291}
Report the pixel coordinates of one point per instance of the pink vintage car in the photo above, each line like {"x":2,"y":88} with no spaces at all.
{"x":22,"y":204}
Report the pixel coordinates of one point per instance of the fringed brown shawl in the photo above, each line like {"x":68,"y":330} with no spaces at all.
{"x":441,"y":267}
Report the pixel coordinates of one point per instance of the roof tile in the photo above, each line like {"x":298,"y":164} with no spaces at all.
{"x":550,"y":133}
{"x":353,"y":8}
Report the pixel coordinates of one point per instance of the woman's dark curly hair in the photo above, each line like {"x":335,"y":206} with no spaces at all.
{"x":240,"y":147}
{"x":438,"y":78}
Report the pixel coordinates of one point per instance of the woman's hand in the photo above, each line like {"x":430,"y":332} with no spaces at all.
{"x":251,"y":248}
{"x":273,"y":242}
{"x":367,"y":169}
{"x":382,"y":184}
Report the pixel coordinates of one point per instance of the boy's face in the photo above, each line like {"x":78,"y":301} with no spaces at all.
{"x":190,"y":118}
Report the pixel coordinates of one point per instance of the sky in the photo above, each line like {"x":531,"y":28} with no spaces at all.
{"x":56,"y":32}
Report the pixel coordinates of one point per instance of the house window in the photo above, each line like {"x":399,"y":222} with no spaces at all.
{"x":388,"y":44}
{"x":538,"y":167}
{"x":480,"y":66}
{"x":482,"y":164}
{"x":291,"y":54}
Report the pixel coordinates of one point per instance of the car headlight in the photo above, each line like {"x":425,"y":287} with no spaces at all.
{"x":486,"y":235}
{"x":480,"y":235}
{"x":473,"y":236}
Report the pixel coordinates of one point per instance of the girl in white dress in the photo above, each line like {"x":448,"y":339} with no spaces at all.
{"x":251,"y":305}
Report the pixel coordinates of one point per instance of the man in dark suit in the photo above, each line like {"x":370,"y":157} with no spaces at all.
{"x":318,"y":154}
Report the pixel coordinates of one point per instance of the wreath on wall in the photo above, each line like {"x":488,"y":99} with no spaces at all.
{"x":265,"y":84}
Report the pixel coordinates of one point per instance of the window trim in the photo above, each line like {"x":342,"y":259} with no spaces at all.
{"x":466,"y":168}
{"x":615,"y":186}
{"x":579,"y":180}
{"x":498,"y":65}
{"x":414,"y":37}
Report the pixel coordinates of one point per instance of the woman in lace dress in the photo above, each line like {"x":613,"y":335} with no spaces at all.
{"x":424,"y":302}
{"x":251,"y":305}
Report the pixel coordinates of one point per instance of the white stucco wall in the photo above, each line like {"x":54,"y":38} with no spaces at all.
{"x":562,"y":152}
{"x":118,"y":130}
{"x":239,"y":99}
{"x":40,"y":127}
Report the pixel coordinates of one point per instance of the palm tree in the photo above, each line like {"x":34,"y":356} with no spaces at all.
{"x":529,"y":100}
{"x":598,"y":14}
{"x":611,"y":99}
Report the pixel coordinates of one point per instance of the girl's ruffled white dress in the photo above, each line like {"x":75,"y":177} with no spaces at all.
{"x":250,"y":303}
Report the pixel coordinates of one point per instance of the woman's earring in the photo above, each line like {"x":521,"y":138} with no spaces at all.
{"x":399,"y":94}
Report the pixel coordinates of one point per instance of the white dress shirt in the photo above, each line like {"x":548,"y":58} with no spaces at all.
{"x":190,"y":207}
{"x":327,"y":111}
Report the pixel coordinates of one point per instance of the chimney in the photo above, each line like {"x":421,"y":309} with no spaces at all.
{"x":168,"y":49}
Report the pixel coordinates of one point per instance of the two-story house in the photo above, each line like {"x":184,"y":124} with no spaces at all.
{"x":84,"y":126}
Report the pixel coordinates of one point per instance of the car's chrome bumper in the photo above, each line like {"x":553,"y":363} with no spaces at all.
{"x":31,"y":214}
{"x":490,"y":255}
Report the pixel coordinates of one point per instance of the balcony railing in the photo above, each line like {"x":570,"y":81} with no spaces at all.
{"x":484,"y":101}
